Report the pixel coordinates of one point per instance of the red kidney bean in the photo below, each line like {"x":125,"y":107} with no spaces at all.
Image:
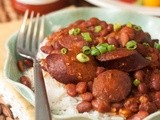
{"x":100,"y":70}
{"x":87,"y":96}
{"x":149,"y":107}
{"x":143,"y":88}
{"x":132,"y":104}
{"x":84,"y":106}
{"x":113,"y":41}
{"x":100,"y":105}
{"x":89,"y":86}
{"x":104,"y":32}
{"x":81,"y":87}
{"x":94,"y":21}
{"x":20,"y":65}
{"x":28,"y":63}
{"x":139,"y":74}
{"x":124,"y":38}
{"x":110,"y":27}
{"x":104,"y":24}
{"x":157,"y":99}
{"x":128,"y":31}
{"x":26,"y":81}
{"x":155,"y":81}
{"x":71,"y":90}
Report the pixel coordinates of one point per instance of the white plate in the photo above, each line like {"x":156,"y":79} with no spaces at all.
{"x":115,"y":4}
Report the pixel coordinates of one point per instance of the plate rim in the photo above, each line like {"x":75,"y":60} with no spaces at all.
{"x":122,"y":5}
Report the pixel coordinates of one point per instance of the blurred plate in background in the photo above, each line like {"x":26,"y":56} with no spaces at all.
{"x":115,"y":4}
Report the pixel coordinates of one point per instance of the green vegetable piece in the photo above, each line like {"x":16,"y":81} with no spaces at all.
{"x":98,"y":28}
{"x":116,"y":26}
{"x":86,"y":36}
{"x":146,"y":44}
{"x":95,"y":51}
{"x":86,"y":50}
{"x":137,"y":28}
{"x":157,"y":46}
{"x":102,"y":48}
{"x":111,"y":48}
{"x":129,"y":24}
{"x":64,"y":50}
{"x":136,"y":82}
{"x":131,"y":45}
{"x":74,"y":31}
{"x":81,"y":57}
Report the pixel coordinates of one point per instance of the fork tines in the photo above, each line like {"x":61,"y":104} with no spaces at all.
{"x":30,"y":32}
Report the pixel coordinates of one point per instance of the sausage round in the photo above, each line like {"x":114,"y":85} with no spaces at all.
{"x":123,"y":59}
{"x":66,"y":69}
{"x":112,"y":85}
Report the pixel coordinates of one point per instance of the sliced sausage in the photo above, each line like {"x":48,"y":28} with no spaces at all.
{"x":66,"y":69}
{"x":112,"y":85}
{"x":123,"y":59}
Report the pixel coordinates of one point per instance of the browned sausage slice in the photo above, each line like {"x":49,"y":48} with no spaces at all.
{"x":112,"y":85}
{"x":123,"y":59}
{"x":66,"y":69}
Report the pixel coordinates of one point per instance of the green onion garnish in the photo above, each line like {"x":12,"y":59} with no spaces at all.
{"x":137,"y":28}
{"x":111,"y":48}
{"x":136,"y":82}
{"x":98,"y":28}
{"x":131,"y":45}
{"x":117,"y":26}
{"x":157,"y":46}
{"x":102,"y":48}
{"x":146,"y":44}
{"x":95,"y":51}
{"x":81,"y":57}
{"x":86,"y":50}
{"x":86,"y":36}
{"x":129,"y":24}
{"x":64,"y":50}
{"x":74,"y":31}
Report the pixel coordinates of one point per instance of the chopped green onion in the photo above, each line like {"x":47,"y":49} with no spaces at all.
{"x":81,"y":57}
{"x":136,"y":82}
{"x":86,"y":50}
{"x":131,"y":45}
{"x":86,"y":36}
{"x":129,"y":24}
{"x":74,"y":31}
{"x":98,"y":28}
{"x":146,"y":44}
{"x":111,"y":48}
{"x":102,"y":48}
{"x":117,"y":26}
{"x":148,"y":58}
{"x":95,"y":51}
{"x":157,"y":46}
{"x":137,"y":28}
{"x":64,"y":50}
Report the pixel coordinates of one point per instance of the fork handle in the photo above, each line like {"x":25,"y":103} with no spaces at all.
{"x":42,"y":109}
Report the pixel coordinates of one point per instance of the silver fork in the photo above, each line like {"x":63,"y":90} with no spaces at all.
{"x":28,"y":48}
